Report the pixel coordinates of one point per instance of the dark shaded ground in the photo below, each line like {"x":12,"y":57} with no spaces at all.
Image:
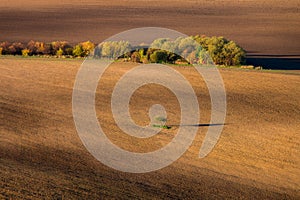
{"x":277,"y":63}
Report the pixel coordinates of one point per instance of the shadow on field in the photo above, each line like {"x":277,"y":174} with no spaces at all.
{"x":199,"y":125}
{"x":279,"y":63}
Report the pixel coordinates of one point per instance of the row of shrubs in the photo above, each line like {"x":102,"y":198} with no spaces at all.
{"x":193,"y":49}
{"x":57,"y":48}
{"x":217,"y":50}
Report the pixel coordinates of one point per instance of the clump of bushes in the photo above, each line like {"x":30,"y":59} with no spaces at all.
{"x":193,"y":49}
{"x":183,"y":50}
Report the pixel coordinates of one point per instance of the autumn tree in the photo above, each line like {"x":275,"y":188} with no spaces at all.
{"x":87,"y":47}
{"x":4,"y":46}
{"x":136,"y":57}
{"x":59,"y":45}
{"x":16,"y":48}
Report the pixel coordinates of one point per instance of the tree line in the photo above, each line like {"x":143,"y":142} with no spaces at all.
{"x":193,"y":49}
{"x":56,"y":48}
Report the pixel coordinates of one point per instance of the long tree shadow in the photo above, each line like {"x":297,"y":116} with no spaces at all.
{"x":199,"y":125}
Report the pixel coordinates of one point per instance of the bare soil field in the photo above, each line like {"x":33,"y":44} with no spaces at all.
{"x":42,"y":157}
{"x":268,"y":27}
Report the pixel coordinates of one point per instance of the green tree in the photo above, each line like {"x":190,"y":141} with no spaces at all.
{"x":183,"y":46}
{"x":78,"y":51}
{"x":121,"y":48}
{"x":114,"y":49}
{"x":159,"y":56}
{"x":186,"y":45}
{"x":233,"y":54}
{"x":107,"y":50}
{"x":221,"y":51}
{"x":59,"y":52}
{"x":158,"y":43}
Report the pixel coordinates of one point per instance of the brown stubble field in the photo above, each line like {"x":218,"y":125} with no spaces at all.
{"x":41,"y":155}
{"x":269,"y":27}
{"x":257,"y":156}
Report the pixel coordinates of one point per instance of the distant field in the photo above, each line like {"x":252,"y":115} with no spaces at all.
{"x":261,"y":27}
{"x":41,"y":155}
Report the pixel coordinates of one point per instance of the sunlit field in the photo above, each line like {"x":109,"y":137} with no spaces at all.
{"x":42,"y":155}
